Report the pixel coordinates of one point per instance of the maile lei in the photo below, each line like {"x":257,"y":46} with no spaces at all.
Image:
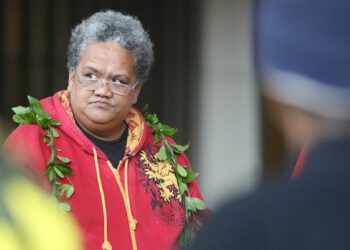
{"x":58,"y":169}
{"x":184,"y":175}
{"x":57,"y":166}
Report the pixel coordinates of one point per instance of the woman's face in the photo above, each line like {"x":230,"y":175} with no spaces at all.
{"x":100,"y":111}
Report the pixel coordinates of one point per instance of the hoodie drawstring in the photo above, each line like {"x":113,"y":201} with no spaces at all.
{"x":106,"y":245}
{"x":125,"y":194}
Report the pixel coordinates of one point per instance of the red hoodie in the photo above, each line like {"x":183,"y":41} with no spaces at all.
{"x":136,"y":206}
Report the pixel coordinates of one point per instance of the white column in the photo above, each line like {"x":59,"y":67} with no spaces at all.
{"x":225,"y":122}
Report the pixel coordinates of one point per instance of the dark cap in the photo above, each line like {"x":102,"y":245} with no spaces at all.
{"x":303,"y":53}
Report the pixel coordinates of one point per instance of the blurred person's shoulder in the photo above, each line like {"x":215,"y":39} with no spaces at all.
{"x":310,"y":212}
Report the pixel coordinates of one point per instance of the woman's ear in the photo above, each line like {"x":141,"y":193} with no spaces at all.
{"x":70,"y":80}
{"x":136,"y":93}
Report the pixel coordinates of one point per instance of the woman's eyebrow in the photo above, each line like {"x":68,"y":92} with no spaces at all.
{"x":120,"y":75}
{"x":90,"y":68}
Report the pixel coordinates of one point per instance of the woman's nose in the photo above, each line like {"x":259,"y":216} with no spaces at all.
{"x":103,"y":89}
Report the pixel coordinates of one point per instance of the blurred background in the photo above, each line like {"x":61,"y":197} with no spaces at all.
{"x":202,"y":83}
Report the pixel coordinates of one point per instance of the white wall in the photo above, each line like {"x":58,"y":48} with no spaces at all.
{"x":225,"y":129}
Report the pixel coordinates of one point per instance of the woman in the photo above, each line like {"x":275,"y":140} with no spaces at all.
{"x":124,"y":197}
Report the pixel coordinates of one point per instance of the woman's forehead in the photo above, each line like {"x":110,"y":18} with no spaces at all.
{"x":102,"y":55}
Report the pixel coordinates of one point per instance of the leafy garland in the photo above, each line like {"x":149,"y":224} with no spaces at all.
{"x":57,"y":165}
{"x":169,"y":152}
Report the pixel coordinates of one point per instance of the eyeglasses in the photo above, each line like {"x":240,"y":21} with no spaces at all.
{"x":116,"y":87}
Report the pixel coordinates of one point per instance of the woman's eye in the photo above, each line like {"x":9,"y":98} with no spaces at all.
{"x":118,"y":81}
{"x":91,"y":76}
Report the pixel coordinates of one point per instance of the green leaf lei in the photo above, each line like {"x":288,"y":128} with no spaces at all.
{"x":169,"y":152}
{"x":57,"y":165}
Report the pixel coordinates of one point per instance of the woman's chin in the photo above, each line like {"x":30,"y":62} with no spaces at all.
{"x":100,"y":120}
{"x":101,"y":117}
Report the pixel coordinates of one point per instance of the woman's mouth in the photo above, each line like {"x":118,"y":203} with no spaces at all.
{"x":101,"y":104}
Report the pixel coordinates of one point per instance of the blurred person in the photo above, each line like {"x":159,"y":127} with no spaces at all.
{"x":126,"y":196}
{"x":303,"y":59}
{"x":29,"y":220}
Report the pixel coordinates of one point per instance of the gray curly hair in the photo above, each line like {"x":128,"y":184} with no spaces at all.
{"x":111,"y":26}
